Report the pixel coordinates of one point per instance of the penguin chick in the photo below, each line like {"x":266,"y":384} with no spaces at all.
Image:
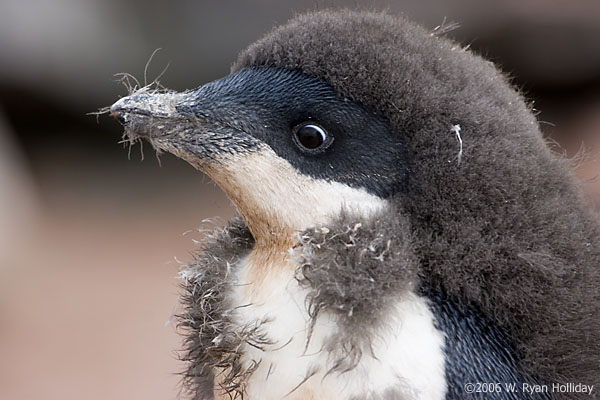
{"x":292,"y":154}
{"x":404,"y":229}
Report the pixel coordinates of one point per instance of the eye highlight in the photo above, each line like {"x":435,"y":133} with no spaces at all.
{"x":310,"y":137}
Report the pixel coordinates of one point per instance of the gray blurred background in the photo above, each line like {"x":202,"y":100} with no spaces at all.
{"x":91,"y":238}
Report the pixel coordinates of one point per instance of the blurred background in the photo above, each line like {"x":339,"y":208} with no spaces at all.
{"x":91,"y":234}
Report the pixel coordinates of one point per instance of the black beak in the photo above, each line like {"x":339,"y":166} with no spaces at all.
{"x":146,"y":108}
{"x":195,"y":125}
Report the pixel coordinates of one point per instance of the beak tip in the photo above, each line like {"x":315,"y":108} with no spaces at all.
{"x":116,"y":111}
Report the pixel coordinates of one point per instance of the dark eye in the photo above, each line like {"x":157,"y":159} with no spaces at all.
{"x":310,"y":136}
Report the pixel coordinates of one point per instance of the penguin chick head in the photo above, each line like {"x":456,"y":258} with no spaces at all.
{"x":288,"y":150}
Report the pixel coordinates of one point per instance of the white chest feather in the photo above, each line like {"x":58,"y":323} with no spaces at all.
{"x":405,"y":355}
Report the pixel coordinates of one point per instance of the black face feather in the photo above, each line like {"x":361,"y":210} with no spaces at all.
{"x":278,"y":106}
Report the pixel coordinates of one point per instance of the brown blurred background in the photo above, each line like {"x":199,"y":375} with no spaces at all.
{"x":90,"y":238}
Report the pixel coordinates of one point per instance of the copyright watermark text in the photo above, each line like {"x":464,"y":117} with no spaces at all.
{"x":526,"y":388}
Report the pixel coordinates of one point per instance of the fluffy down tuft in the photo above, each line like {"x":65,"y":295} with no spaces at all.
{"x":349,"y":268}
{"x":354,"y":267}
{"x":204,"y":321}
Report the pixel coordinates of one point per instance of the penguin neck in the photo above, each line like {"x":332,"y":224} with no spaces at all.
{"x":277,"y":202}
{"x":270,"y":233}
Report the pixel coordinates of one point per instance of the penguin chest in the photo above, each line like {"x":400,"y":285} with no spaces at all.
{"x":293,"y":357}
